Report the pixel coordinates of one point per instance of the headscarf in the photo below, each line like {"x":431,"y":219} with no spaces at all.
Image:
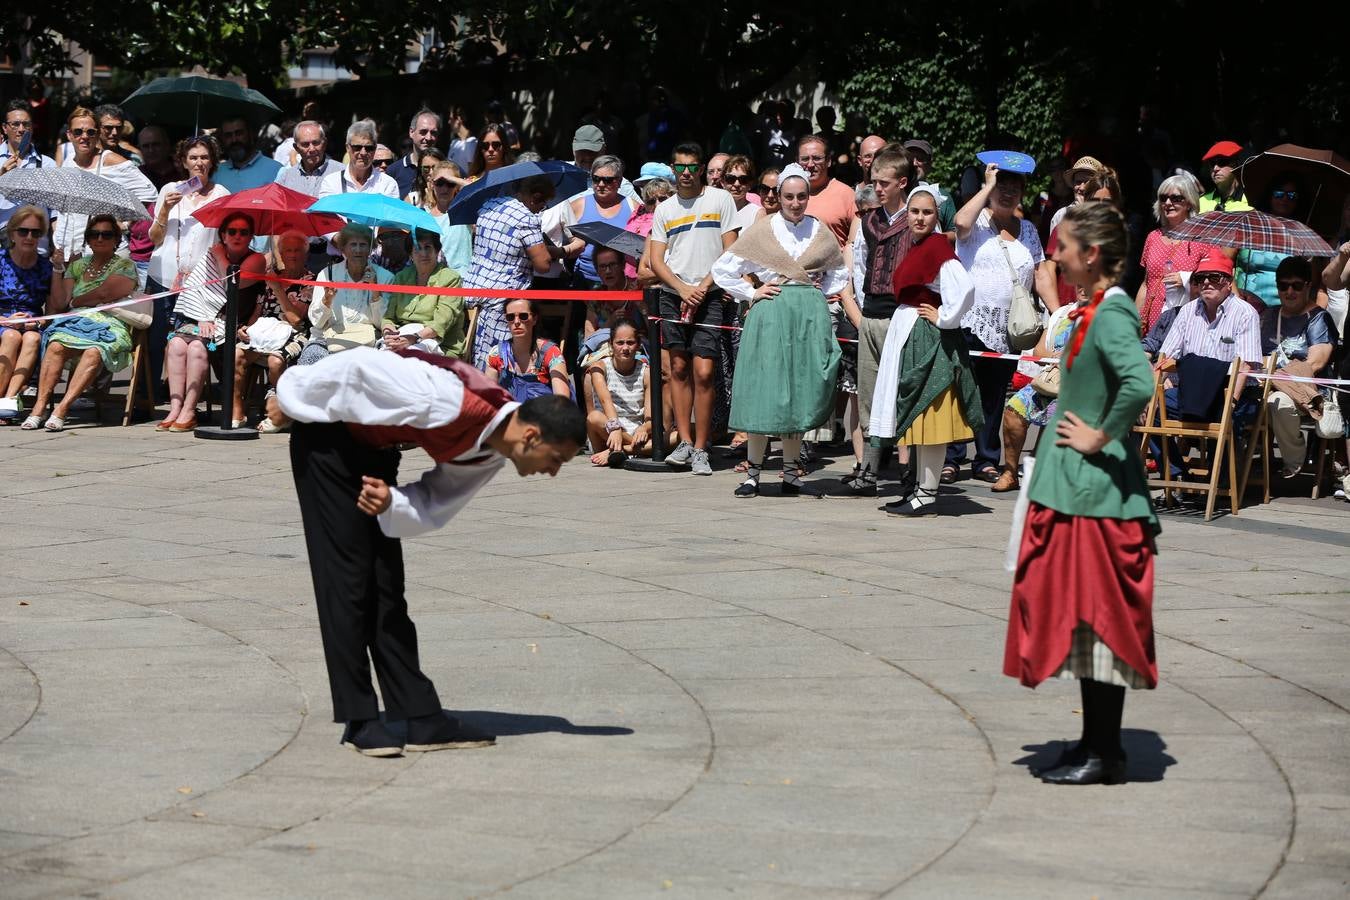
{"x":924,"y":187}
{"x":792,"y":170}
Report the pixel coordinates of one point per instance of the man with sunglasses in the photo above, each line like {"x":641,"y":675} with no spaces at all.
{"x":1206,"y":336}
{"x":18,"y":152}
{"x":1303,"y":338}
{"x":361,"y":175}
{"x":690,"y":230}
{"x":425,"y":133}
{"x":243,"y":167}
{"x":1225,"y":164}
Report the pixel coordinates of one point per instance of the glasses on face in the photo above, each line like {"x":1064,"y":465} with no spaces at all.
{"x":686,"y":168}
{"x":1284,"y":195}
{"x":237,"y":232}
{"x":605,"y":179}
{"x":28,"y":232}
{"x":1210,"y":278}
{"x":736,"y":179}
{"x":810,"y":160}
{"x":83,"y":132}
{"x":22,"y":123}
{"x":492,"y":145}
{"x":1173,"y":199}
{"x":382,"y":163}
{"x":361,"y":148}
{"x":111,"y":129}
{"x":517,"y":317}
{"x":99,"y":235}
{"x":1291,"y":285}
{"x":765,"y":190}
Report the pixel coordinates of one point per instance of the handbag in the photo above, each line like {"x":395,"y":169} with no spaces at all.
{"x":137,"y":315}
{"x":1046,"y":381}
{"x":1024,"y":316}
{"x":1331,"y":425}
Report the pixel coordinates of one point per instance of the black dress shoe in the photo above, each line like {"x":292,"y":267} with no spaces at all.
{"x":748,"y":489}
{"x":1094,"y":770}
{"x":1072,"y":755}
{"x":441,"y":732}
{"x":788,"y":489}
{"x":370,"y":738}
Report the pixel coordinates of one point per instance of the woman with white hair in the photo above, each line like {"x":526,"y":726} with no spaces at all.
{"x":926,"y":393}
{"x":343,"y":318}
{"x":1168,"y":263}
{"x":788,"y":361}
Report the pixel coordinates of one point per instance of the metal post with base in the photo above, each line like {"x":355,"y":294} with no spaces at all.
{"x":226,"y":430}
{"x":657,"y":463}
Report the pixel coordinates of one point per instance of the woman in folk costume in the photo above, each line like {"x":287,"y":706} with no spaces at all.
{"x":1082,"y":602}
{"x":925,"y":390}
{"x":785,"y":372}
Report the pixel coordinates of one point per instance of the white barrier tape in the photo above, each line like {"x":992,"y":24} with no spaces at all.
{"x":86,"y":310}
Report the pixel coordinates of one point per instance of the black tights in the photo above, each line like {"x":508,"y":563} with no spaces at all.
{"x":1103,"y":706}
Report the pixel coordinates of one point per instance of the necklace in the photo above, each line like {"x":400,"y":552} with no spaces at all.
{"x":94,"y":273}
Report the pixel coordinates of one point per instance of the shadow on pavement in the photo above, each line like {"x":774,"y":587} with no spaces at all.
{"x":505,"y":724}
{"x":1145,"y":750}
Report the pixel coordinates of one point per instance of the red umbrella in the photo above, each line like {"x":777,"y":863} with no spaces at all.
{"x":273,"y":209}
{"x":1252,"y":230}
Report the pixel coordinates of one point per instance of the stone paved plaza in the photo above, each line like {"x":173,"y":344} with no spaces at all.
{"x":697,"y":696}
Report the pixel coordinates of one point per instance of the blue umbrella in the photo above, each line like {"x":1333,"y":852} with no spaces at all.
{"x":377,"y":211}
{"x":504,"y":181}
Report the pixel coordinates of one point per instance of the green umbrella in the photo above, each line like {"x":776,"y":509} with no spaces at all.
{"x":192,"y":99}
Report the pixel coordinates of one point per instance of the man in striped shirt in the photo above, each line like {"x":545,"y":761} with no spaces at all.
{"x":1217,"y":326}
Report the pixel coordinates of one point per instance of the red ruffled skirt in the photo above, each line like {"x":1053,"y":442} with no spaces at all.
{"x":1073,"y":569}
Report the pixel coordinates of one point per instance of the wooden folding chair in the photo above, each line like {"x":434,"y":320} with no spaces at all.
{"x":140,"y":384}
{"x":470,"y":332}
{"x":1259,"y":440}
{"x":1213,"y":464}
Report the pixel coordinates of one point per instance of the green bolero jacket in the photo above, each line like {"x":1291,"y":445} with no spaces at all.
{"x":445,"y":314}
{"x":1108,"y":387}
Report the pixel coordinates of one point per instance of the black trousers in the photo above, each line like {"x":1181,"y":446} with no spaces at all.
{"x":358,"y":578}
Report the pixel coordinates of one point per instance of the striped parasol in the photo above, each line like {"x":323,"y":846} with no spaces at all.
{"x":1253,"y":230}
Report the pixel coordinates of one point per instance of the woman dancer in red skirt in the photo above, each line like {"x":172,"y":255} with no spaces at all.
{"x":1082,"y":602}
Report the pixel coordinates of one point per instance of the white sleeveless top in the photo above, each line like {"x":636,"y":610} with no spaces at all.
{"x":626,"y":392}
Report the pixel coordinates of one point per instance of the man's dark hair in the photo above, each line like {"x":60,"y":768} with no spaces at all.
{"x":558,"y":419}
{"x":17,"y":103}
{"x":688,"y":148}
{"x":1294,"y":267}
{"x":108,"y":111}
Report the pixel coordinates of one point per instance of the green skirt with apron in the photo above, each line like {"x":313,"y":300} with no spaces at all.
{"x":786,"y":366}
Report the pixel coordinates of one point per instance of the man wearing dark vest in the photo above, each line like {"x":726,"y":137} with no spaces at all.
{"x":350,"y":411}
{"x":883,"y":240}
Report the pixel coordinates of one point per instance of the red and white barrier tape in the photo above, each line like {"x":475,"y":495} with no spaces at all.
{"x":86,"y":310}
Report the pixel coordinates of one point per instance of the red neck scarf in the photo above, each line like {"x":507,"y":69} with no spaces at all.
{"x":1086,"y":313}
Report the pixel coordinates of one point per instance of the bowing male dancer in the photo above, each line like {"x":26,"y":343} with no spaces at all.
{"x":351,"y":410}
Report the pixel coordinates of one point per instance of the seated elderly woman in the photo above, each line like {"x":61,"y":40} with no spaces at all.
{"x":197,"y":323}
{"x":1303,"y":338}
{"x":429,"y":322}
{"x":94,"y":341}
{"x":276,"y":332}
{"x":347,"y":317}
{"x":622,"y":424}
{"x":25,"y":293}
{"x":523,"y":364}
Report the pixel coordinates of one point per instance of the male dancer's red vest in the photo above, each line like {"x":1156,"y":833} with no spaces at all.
{"x":483,"y":399}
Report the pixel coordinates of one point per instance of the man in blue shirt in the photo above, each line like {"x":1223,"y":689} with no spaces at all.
{"x":243,"y":167}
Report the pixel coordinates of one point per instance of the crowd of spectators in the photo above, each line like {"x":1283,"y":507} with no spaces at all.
{"x":1200,"y":306}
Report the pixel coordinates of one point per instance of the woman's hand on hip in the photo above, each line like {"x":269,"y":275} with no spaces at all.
{"x":1074,"y":432}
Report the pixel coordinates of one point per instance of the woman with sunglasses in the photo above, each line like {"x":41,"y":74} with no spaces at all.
{"x":93,"y":341}
{"x":767,"y":190}
{"x":26,"y":290}
{"x":198,"y":320}
{"x":527,"y":366}
{"x":87,"y":153}
{"x":1168,"y":263}
{"x":1285,"y":199}
{"x":602,"y":203}
{"x":491,"y":153}
{"x":422,"y":195}
{"x":738,"y":176}
{"x":456,"y":240}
